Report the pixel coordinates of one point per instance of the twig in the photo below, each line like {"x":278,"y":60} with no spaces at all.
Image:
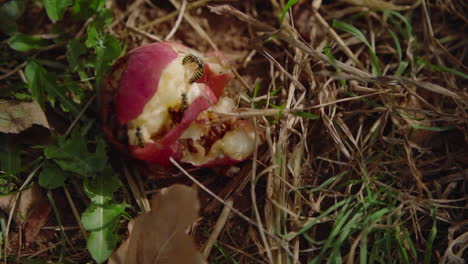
{"x":253,"y":195}
{"x":196,"y":27}
{"x":17,"y":68}
{"x":139,"y":198}
{"x":282,"y":69}
{"x":59,"y":221}
{"x":174,"y":14}
{"x":130,"y":9}
{"x":143,"y":33}
{"x":75,"y":212}
{"x":218,"y":228}
{"x":80,"y":114}
{"x":178,"y":21}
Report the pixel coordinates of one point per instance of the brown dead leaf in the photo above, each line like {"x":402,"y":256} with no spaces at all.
{"x":17,"y":116}
{"x":31,"y":208}
{"x":159,"y":236}
{"x":36,"y":219}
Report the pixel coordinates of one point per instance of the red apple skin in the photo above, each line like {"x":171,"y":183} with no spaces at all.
{"x":216,"y":82}
{"x":140,"y":79}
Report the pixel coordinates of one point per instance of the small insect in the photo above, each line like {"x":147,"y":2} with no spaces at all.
{"x":184,"y":101}
{"x":139,"y":137}
{"x":198,"y":62}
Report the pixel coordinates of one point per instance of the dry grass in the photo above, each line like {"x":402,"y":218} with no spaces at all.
{"x":381,"y":175}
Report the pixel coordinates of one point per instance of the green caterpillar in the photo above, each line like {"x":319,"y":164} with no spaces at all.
{"x":199,"y":62}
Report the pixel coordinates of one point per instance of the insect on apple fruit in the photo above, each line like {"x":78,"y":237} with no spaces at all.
{"x":166,"y":97}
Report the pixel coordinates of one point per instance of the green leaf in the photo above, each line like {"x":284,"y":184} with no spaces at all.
{"x":42,"y":84}
{"x":73,"y":155}
{"x":101,"y":243}
{"x":106,"y":48}
{"x":56,"y":8}
{"x":306,"y":115}
{"x":10,"y":159}
{"x":52,"y":176}
{"x":74,"y":88}
{"x":36,"y":81}
{"x":99,"y":216}
{"x":101,"y":188}
{"x":105,"y":55}
{"x":9,"y":13}
{"x":93,"y":37}
{"x":103,"y":18}
{"x":75,"y":49}
{"x":83,"y":9}
{"x":288,"y":5}
{"x":98,"y":159}
{"x":23,"y":42}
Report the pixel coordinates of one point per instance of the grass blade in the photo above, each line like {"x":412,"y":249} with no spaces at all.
{"x":357,"y":33}
{"x":363,"y":249}
{"x":350,"y":29}
{"x":332,"y":60}
{"x":401,"y":68}
{"x":409,"y":29}
{"x":397,"y":44}
{"x":306,"y":227}
{"x":286,"y":8}
{"x":430,"y":239}
{"x":441,"y":68}
{"x":306,"y":115}
{"x":402,"y":64}
{"x":436,"y":129}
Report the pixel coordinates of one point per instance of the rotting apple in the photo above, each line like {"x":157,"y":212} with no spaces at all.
{"x":163,"y":95}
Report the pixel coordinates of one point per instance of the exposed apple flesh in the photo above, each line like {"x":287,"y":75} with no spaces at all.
{"x":164,"y":99}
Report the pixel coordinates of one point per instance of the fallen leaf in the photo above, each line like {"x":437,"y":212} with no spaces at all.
{"x":17,"y":116}
{"x":159,"y":236}
{"x":36,"y":219}
{"x":32,"y":209}
{"x":26,"y":200}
